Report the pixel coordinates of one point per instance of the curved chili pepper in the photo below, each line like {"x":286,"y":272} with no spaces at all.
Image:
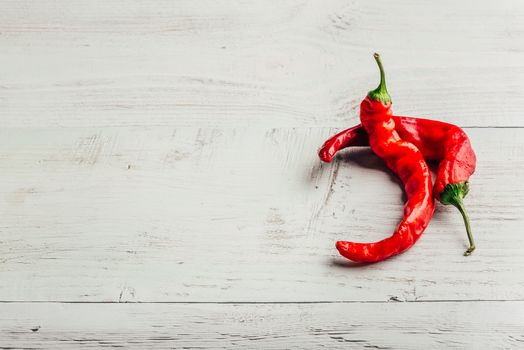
{"x":446,"y":143}
{"x":407,"y":162}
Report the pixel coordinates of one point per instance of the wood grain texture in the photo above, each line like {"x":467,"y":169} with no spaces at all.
{"x":186,"y":214}
{"x":166,"y":152}
{"x":493,"y":325}
{"x":257,"y":63}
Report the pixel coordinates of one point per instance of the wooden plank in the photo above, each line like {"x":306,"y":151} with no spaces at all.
{"x":187,"y":214}
{"x":486,"y":325}
{"x":257,"y":63}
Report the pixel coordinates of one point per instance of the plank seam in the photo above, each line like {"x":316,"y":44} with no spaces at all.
{"x":266,"y":302}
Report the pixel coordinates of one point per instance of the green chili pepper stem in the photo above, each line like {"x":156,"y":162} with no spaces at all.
{"x":462,"y":209}
{"x":454,"y":194}
{"x":381,"y":92}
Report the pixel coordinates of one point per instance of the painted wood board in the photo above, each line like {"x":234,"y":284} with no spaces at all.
{"x":257,"y":63}
{"x":466,"y":325}
{"x":187,"y":214}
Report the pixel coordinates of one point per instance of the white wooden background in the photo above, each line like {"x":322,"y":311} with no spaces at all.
{"x":159,"y":184}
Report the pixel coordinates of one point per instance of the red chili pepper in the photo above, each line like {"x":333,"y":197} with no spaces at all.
{"x":446,"y":143}
{"x":408,"y":163}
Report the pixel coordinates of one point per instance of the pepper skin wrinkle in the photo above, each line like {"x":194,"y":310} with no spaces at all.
{"x":408,"y":163}
{"x":446,"y":143}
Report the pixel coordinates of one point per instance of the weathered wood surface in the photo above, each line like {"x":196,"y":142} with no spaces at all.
{"x":257,"y":63}
{"x":159,"y":214}
{"x":166,"y":152}
{"x":493,"y":325}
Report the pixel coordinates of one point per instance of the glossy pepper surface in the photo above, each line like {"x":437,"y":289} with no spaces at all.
{"x":408,"y":163}
{"x":439,"y":141}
